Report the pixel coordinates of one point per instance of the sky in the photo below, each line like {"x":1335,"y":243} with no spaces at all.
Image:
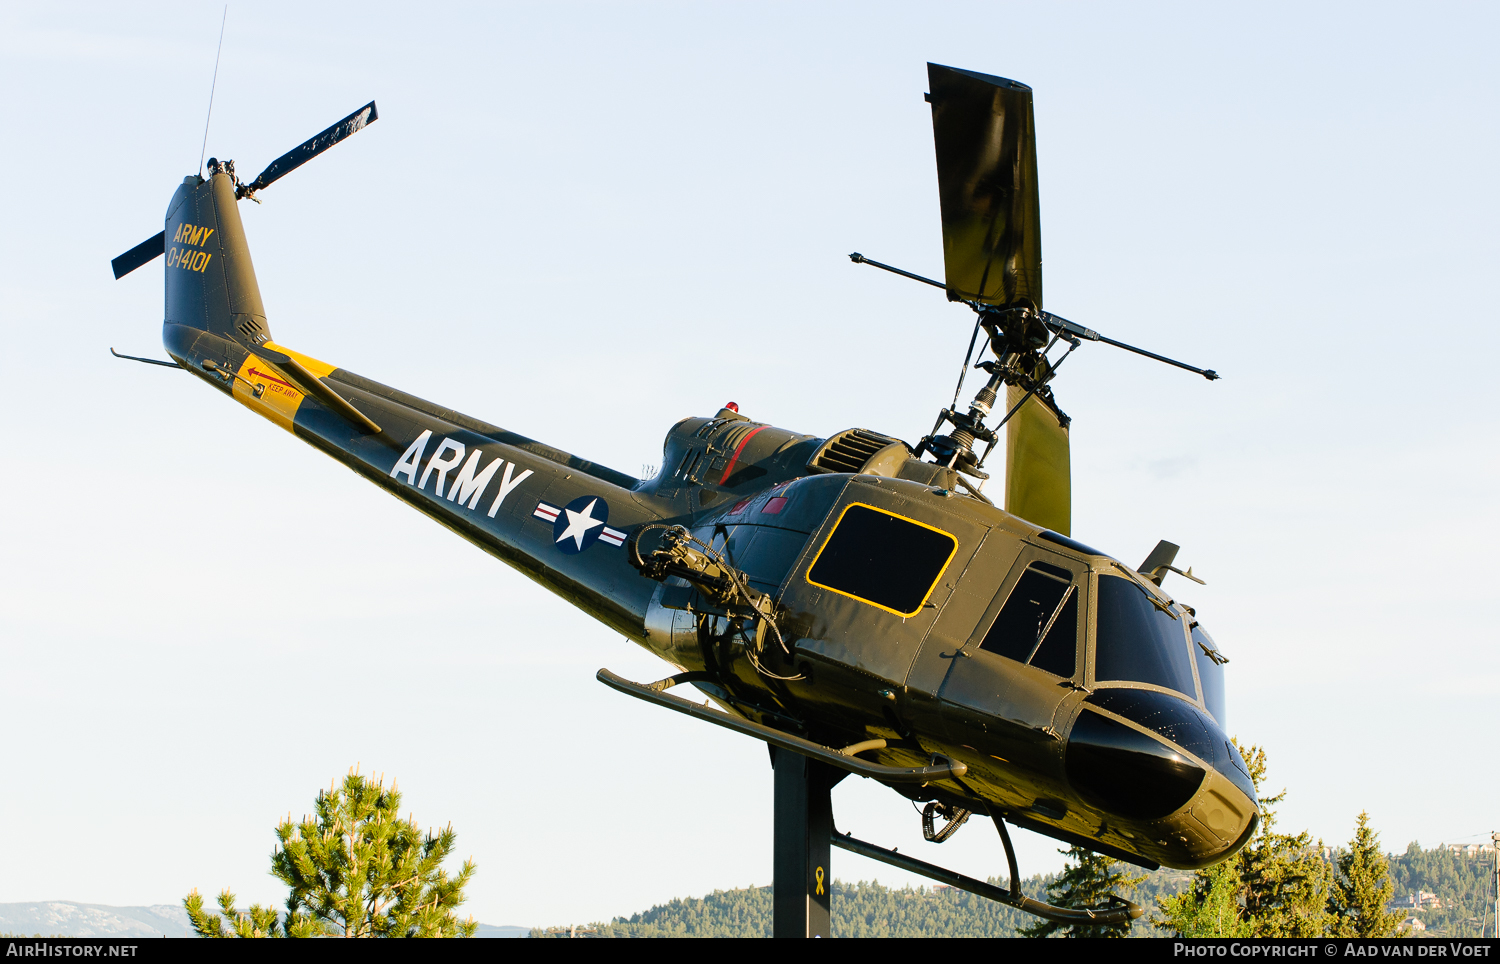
{"x":584,"y":222}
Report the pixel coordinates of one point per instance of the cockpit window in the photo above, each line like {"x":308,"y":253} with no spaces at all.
{"x":883,"y":559}
{"x":1210,"y":672}
{"x":1039,"y":622}
{"x":1137,"y":642}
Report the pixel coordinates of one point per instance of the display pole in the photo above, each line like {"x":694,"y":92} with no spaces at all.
{"x":803,"y":818}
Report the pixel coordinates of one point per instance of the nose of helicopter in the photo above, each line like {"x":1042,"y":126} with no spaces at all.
{"x":1179,"y":790}
{"x":1215,"y":824}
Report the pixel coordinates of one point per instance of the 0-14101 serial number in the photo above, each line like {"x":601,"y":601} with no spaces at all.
{"x":188,"y":259}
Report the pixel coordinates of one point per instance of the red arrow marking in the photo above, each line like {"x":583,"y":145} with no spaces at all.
{"x":271,"y":378}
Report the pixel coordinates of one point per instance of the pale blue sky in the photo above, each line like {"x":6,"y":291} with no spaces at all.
{"x":584,"y":222}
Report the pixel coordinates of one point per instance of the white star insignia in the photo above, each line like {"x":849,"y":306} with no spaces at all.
{"x":579,"y":523}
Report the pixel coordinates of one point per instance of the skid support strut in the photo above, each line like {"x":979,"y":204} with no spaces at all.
{"x":803,"y":819}
{"x":802,"y":877}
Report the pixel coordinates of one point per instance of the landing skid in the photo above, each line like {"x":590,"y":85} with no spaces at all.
{"x":1119,"y":912}
{"x":803,"y":834}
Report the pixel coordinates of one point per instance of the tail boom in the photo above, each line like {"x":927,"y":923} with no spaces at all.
{"x":560,"y":520}
{"x":557,"y":518}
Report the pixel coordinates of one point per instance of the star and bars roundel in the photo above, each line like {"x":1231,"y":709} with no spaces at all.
{"x":579,"y":524}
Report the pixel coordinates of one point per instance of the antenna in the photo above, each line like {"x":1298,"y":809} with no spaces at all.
{"x":203,"y":153}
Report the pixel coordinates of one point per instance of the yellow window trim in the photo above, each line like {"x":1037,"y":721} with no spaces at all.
{"x":916,"y":522}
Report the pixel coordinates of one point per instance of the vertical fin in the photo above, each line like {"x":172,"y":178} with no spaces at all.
{"x":211,"y":282}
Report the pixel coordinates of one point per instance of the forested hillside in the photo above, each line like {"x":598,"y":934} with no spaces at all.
{"x":869,"y":909}
{"x":1465,"y":885}
{"x":864,"y":909}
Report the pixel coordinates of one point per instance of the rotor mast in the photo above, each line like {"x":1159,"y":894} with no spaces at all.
{"x":1020,"y":342}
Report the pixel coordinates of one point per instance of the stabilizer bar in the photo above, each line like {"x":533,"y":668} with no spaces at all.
{"x":1055,"y":322}
{"x":652,"y":693}
{"x":1121,"y":912}
{"x":858,"y":258}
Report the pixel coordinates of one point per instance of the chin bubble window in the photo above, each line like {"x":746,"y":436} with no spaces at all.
{"x":883,"y":559}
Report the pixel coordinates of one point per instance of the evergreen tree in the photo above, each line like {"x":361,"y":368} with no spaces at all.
{"x":1284,"y":879}
{"x":1088,"y":880}
{"x":1463,"y":885}
{"x":355,"y":869}
{"x":258,"y":921}
{"x":1276,"y":887}
{"x":1211,"y":907}
{"x":1362,"y":888}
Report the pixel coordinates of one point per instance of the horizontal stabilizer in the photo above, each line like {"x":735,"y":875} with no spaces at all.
{"x":139,"y":255}
{"x":311,"y":148}
{"x":309,"y":384}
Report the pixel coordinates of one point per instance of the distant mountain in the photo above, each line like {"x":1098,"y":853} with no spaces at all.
{"x":502,"y":930}
{"x":67,"y":918}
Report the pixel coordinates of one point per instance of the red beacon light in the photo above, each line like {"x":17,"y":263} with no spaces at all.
{"x":732,"y":406}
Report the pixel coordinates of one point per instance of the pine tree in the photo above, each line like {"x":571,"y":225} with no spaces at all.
{"x":1211,"y":907}
{"x":1282,"y":881}
{"x":1284,"y":878}
{"x":258,"y":921}
{"x":1088,"y":880}
{"x":1362,"y":888}
{"x":355,"y":869}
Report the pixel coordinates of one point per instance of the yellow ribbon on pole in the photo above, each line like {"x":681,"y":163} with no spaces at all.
{"x":819,"y":875}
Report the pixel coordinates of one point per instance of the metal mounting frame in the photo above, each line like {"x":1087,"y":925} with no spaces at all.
{"x":804,"y":828}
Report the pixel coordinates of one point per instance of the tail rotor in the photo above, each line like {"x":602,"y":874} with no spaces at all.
{"x":154,"y":247}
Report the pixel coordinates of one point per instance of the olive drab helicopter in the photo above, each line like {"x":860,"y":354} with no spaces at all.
{"x":856,"y":602}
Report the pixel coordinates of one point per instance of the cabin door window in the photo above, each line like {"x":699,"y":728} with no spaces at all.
{"x":1039,"y":623}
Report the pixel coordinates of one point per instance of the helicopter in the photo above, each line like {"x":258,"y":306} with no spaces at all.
{"x":856,"y":602}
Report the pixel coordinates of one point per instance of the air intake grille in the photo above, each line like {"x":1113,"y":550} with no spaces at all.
{"x":848,"y":450}
{"x":251,"y":329}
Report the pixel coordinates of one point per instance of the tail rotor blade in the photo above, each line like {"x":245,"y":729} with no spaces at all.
{"x":311,"y":148}
{"x":139,"y":255}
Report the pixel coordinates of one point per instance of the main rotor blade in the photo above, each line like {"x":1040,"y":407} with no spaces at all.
{"x":1038,"y":465}
{"x":985,"y":135}
{"x":139,"y":255}
{"x":311,"y":148}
